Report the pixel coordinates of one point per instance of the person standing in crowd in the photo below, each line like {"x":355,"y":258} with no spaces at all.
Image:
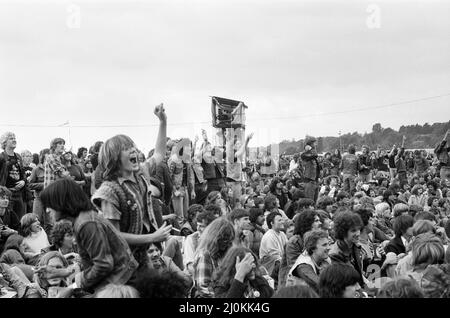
{"x":312,"y":169}
{"x":37,"y":185}
{"x":81,"y":156}
{"x":75,"y":171}
{"x":215,"y":242}
{"x":382,"y":163}
{"x":27,"y":160}
{"x":98,"y":171}
{"x":182,"y":179}
{"x":364,"y":164}
{"x":401,"y":165}
{"x":336,"y":161}
{"x":105,"y":255}
{"x":327,"y":165}
{"x":421,"y":164}
{"x":54,"y":169}
{"x":235,"y":155}
{"x":124,"y":197}
{"x":212,"y":164}
{"x":442,"y":152}
{"x":12,"y":174}
{"x":200,"y":184}
{"x":392,"y":167}
{"x":349,"y":167}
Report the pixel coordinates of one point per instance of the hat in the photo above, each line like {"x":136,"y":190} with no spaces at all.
{"x":310,"y":140}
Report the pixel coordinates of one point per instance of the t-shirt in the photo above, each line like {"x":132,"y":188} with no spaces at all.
{"x":36,"y":242}
{"x":349,"y":164}
{"x":14,"y":171}
{"x":383,"y":163}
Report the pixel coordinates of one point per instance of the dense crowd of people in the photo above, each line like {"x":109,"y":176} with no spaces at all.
{"x":193,"y":219}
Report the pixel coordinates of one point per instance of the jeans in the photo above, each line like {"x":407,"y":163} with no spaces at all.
{"x":349,"y":183}
{"x":44,"y":217}
{"x":17,"y":204}
{"x":311,"y":190}
{"x":180,"y":203}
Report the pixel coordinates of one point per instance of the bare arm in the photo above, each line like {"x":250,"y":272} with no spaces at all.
{"x":160,"y":148}
{"x":243,"y":148}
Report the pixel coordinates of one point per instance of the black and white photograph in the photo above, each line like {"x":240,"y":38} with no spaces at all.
{"x":213,"y":151}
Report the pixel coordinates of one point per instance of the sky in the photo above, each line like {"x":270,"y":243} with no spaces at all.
{"x":302,"y":67}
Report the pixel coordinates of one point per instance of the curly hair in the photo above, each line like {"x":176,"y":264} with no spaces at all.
{"x":401,"y":288}
{"x":270,"y":202}
{"x":193,"y":211}
{"x":304,"y":222}
{"x":4,"y":138}
{"x":323,"y":202}
{"x":214,"y":209}
{"x":344,"y":222}
{"x":365,"y":215}
{"x":59,"y":230}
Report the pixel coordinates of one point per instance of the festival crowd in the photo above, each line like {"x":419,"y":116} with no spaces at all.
{"x":193,"y":219}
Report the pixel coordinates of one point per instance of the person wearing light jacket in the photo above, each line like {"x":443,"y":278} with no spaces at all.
{"x":312,"y":261}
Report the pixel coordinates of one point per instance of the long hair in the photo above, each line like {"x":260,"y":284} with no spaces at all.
{"x":109,"y":157}
{"x":4,"y":138}
{"x":219,"y":230}
{"x":224,"y":275}
{"x":304,"y":222}
{"x":66,"y":197}
{"x":211,"y":198}
{"x":25,"y":223}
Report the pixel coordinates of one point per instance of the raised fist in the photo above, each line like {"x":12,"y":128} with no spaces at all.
{"x":160,"y":112}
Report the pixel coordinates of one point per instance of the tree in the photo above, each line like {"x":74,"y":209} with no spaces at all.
{"x":377,"y":128}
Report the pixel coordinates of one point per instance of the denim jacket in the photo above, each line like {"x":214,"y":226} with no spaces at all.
{"x":105,"y":255}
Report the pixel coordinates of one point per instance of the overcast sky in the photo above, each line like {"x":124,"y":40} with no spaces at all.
{"x":287,"y":60}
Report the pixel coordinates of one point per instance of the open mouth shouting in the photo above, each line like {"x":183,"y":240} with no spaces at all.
{"x":133,"y":158}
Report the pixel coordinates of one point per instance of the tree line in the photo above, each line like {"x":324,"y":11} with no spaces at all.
{"x":417,"y":137}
